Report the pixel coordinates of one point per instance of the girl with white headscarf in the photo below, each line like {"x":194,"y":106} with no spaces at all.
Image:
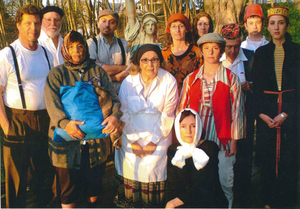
{"x":193,"y":179}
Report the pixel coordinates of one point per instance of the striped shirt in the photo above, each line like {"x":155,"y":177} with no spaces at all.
{"x":206,"y":111}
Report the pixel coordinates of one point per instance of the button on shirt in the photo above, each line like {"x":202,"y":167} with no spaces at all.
{"x":109,"y":54}
{"x":47,"y":42}
{"x":237,"y":66}
{"x":253,"y":45}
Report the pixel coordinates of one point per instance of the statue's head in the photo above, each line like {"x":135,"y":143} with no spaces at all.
{"x":149,"y":23}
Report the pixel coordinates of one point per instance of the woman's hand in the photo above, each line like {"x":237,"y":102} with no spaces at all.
{"x":233,"y":148}
{"x":112,"y":125}
{"x":278,"y":120}
{"x":149,"y":148}
{"x":137,"y":149}
{"x":174,"y":203}
{"x":73,"y":130}
{"x":246,"y":86}
{"x":269,"y":121}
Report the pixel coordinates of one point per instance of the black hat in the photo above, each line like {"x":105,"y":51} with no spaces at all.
{"x":52,"y":9}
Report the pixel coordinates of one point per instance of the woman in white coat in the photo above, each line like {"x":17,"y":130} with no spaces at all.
{"x":148,"y":97}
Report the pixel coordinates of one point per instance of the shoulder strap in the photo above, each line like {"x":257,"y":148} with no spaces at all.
{"x":47,"y":57}
{"x":96,"y":42}
{"x":123,"y":51}
{"x":18,"y":77}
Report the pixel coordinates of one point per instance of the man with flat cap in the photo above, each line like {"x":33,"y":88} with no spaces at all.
{"x":50,"y":36}
{"x":109,"y":51}
{"x":238,"y":60}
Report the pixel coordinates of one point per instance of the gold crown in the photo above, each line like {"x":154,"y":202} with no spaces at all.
{"x":284,"y":11}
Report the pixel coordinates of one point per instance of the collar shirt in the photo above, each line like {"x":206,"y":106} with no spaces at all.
{"x":108,"y":54}
{"x":253,"y":45}
{"x":47,"y":42}
{"x":237,"y":66}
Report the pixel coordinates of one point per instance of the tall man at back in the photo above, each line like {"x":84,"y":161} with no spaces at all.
{"x":50,"y":36}
{"x":109,"y":51}
{"x":23,"y":116}
{"x":254,"y":22}
{"x":238,"y":60}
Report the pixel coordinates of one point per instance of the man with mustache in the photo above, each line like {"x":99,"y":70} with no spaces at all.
{"x":109,"y":51}
{"x":50,"y":37}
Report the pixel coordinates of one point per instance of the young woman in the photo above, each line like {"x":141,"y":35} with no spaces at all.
{"x":276,"y":88}
{"x":193,"y":178}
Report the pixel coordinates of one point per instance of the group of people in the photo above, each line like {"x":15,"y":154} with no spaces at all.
{"x":181,"y":118}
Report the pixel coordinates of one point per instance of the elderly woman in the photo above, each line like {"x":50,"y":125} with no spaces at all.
{"x":202,"y":24}
{"x":215,"y":93}
{"x":193,"y":178}
{"x":276,"y":87}
{"x":149,"y":98}
{"x":79,"y":164}
{"x":182,"y":56}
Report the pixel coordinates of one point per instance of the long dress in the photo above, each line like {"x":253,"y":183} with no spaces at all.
{"x":281,"y":191}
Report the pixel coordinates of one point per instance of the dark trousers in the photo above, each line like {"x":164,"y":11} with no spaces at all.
{"x":26,"y":160}
{"x":243,"y":168}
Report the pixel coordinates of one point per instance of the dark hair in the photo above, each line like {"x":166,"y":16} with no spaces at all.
{"x":52,"y":9}
{"x":184,"y":114}
{"x":188,"y":35}
{"x":222,"y":46}
{"x":76,"y":37}
{"x":28,"y":9}
{"x":195,"y":22}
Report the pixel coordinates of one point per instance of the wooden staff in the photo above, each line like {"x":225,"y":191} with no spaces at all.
{"x":278,"y":137}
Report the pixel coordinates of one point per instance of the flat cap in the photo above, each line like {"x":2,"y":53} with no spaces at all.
{"x":108,"y":12}
{"x":52,"y":9}
{"x":211,"y":38}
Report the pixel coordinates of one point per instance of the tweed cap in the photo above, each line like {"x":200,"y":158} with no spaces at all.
{"x":211,"y":38}
{"x":108,"y":12}
{"x":231,"y":31}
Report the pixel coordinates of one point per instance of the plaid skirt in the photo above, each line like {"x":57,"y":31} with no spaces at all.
{"x":135,"y":194}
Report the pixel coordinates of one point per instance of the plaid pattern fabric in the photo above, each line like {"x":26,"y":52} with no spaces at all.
{"x":141,"y":194}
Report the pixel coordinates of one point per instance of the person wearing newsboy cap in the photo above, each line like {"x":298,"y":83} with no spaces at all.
{"x":216,"y":94}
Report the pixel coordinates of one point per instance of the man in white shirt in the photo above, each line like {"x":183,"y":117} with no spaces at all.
{"x":50,"y":36}
{"x":253,"y":19}
{"x":23,"y":116}
{"x":110,"y":52}
{"x":238,"y":60}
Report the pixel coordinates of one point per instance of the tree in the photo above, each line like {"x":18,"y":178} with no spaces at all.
{"x":225,"y":11}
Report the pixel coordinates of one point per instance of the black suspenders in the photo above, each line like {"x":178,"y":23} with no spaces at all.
{"x":18,"y":74}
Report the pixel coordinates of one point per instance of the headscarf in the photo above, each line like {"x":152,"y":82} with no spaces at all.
{"x":186,"y":150}
{"x":71,"y":37}
{"x":179,"y":17}
{"x":145,"y":48}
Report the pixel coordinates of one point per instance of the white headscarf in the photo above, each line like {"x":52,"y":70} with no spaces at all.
{"x":187,"y":150}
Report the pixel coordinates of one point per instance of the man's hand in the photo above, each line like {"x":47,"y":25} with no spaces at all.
{"x":149,"y":148}
{"x":246,"y":86}
{"x":233,"y":148}
{"x":112,"y":125}
{"x":137,"y":149}
{"x":73,"y":130}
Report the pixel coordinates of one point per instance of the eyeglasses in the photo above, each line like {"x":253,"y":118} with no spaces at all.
{"x":180,"y":27}
{"x":48,"y":21}
{"x":153,"y":60}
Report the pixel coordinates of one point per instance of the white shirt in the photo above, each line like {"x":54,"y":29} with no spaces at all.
{"x":253,"y":45}
{"x":146,"y":120}
{"x":47,"y":42}
{"x":33,"y":67}
{"x":237,"y":66}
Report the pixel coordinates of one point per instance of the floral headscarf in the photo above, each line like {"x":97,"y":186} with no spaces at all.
{"x":70,"y":38}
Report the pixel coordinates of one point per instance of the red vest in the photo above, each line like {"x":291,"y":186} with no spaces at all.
{"x":221,"y":105}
